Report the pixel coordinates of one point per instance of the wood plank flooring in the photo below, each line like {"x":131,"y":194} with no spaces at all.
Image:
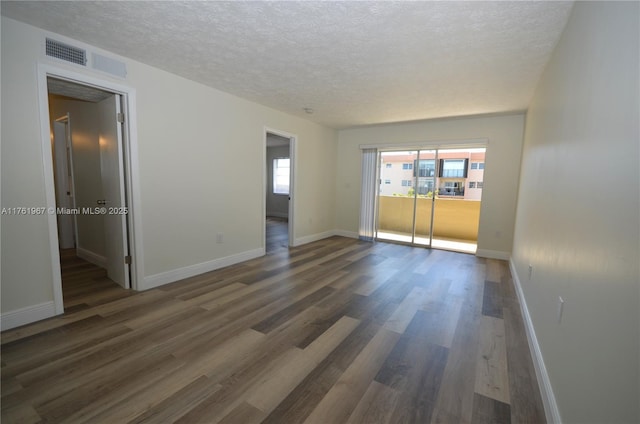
{"x":277,"y":233}
{"x":336,"y":331}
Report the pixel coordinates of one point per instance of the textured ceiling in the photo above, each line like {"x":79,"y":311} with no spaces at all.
{"x":353,"y":63}
{"x":76,"y":91}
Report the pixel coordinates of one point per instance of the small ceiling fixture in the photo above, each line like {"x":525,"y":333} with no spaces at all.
{"x":308,"y":110}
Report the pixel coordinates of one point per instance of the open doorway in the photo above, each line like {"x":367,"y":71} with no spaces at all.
{"x":278,"y":191}
{"x":89,"y":178}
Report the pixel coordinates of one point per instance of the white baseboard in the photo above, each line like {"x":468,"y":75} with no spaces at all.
{"x":493,"y":254}
{"x":345,"y":233}
{"x":326,"y":234}
{"x":189,"y":271}
{"x":92,"y":257}
{"x":548,"y":398}
{"x":163,"y":278}
{"x":313,"y":237}
{"x":23,"y":316}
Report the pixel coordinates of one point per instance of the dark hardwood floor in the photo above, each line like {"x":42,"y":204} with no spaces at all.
{"x":336,"y":331}
{"x":85,"y":285}
{"x":277,"y":234}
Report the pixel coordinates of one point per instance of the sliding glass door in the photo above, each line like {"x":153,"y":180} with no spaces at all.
{"x":431,"y":197}
{"x":405,"y":200}
{"x":396,"y":198}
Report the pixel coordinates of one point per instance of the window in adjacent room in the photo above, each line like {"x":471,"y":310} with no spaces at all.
{"x":281,"y":176}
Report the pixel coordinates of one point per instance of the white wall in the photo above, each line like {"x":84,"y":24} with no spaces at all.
{"x":501,"y":175}
{"x":578,"y":215}
{"x":191,"y":138}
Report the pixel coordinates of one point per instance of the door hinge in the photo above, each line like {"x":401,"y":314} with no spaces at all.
{"x":127,"y":260}
{"x":120,"y":117}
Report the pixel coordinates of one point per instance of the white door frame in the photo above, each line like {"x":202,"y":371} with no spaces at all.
{"x":132,"y":176}
{"x":292,"y":184}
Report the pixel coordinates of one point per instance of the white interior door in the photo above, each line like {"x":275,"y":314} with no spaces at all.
{"x":112,"y":172}
{"x":64,"y":185}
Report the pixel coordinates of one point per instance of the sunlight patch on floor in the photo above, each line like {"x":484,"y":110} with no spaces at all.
{"x":465,"y":246}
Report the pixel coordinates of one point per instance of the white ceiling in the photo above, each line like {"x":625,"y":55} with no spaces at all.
{"x":353,"y":63}
{"x":274,"y":140}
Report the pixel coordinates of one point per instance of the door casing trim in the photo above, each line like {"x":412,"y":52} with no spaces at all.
{"x":132,"y":174}
{"x":292,"y":184}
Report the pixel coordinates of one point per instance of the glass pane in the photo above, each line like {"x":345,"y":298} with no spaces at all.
{"x":424,"y":201}
{"x":457,"y":203}
{"x":396,"y":196}
{"x":281,"y":176}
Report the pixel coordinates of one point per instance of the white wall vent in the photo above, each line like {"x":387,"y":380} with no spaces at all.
{"x":66,"y":52}
{"x":108,"y":65}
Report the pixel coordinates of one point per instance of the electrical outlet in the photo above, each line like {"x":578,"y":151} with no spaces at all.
{"x":530,"y":271}
{"x":219,"y":238}
{"x":560,"y":308}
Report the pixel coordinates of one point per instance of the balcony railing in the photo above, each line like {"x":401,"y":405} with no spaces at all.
{"x":453,"y":218}
{"x":453,"y":173}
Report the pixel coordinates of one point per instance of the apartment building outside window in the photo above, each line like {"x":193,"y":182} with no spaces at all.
{"x":458,"y":174}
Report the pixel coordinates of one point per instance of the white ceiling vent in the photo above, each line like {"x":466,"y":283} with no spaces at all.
{"x":66,"y":52}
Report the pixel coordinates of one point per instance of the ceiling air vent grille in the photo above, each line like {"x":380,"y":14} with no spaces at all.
{"x":66,"y":52}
